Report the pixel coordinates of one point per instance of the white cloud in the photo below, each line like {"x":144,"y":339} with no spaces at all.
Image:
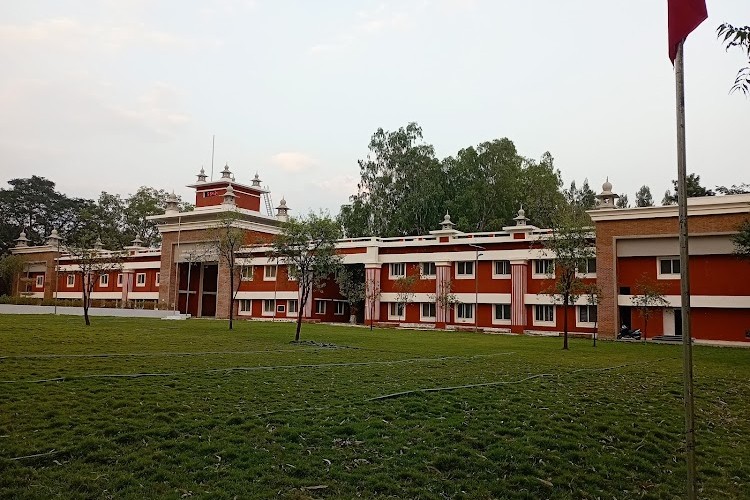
{"x":68,"y":34}
{"x":342,"y":184}
{"x":291,"y":161}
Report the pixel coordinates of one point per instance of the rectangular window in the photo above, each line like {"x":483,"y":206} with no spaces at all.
{"x":502,"y":312}
{"x":544,"y":267}
{"x":588,"y":267}
{"x":40,"y":281}
{"x":156,"y":280}
{"x":246,"y":273}
{"x":587,"y":314}
{"x":428,"y":270}
{"x":339,"y":308}
{"x":501,"y":269}
{"x":397,"y":270}
{"x":269,"y":306}
{"x":71,"y":281}
{"x":280,"y":308}
{"x":140,"y":279}
{"x":465,"y":269}
{"x":428,"y":311}
{"x":465,"y":311}
{"x":291,"y":273}
{"x":320,"y":307}
{"x":395,"y":310}
{"x":119,"y":280}
{"x":246,"y":305}
{"x":291,"y":306}
{"x":544,"y":314}
{"x":104,"y":280}
{"x":269,"y":273}
{"x":669,"y":267}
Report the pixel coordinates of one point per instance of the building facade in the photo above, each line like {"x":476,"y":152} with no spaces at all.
{"x":499,"y":281}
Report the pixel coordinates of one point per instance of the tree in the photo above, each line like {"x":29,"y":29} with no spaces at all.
{"x":351,"y":282}
{"x":593,"y":292}
{"x":622,"y":202}
{"x":741,"y":240}
{"x":404,"y":287}
{"x":570,"y":244}
{"x":444,"y":295}
{"x":737,"y":37}
{"x":734,"y":189}
{"x":92,"y":262}
{"x":372,"y":294}
{"x":539,"y":186}
{"x":693,"y":188}
{"x":307,"y":245}
{"x":10,"y":267}
{"x":229,"y":239}
{"x":648,"y":296}
{"x":643,"y":197}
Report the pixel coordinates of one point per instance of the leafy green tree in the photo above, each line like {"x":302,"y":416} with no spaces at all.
{"x":483,"y":185}
{"x":693,"y":188}
{"x":10,"y":267}
{"x":739,"y":37}
{"x":351,"y":282}
{"x":622,"y":202}
{"x":540,"y":185}
{"x":307,"y":245}
{"x":734,"y":189}
{"x":741,"y":240}
{"x":571,"y":245}
{"x":643,"y":197}
{"x":649,"y":296}
{"x":401,"y":184}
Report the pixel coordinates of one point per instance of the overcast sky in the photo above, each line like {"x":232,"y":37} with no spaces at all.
{"x":115,"y":94}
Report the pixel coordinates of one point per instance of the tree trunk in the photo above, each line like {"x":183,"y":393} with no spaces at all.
{"x":299,"y":324}
{"x":565,"y":322}
{"x":86,"y":308}
{"x":231,"y":296}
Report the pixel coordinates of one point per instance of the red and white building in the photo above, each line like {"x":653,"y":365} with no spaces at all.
{"x":492,"y":281}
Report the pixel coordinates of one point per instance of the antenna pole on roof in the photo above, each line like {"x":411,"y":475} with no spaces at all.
{"x":213,"y":143}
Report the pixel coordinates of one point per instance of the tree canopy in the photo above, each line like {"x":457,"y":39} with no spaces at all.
{"x":405,"y":189}
{"x":739,"y":37}
{"x":34,"y":206}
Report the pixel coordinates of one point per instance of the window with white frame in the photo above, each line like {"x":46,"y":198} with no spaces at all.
{"x":428,"y":311}
{"x":320,"y":307}
{"x":281,"y":308}
{"x":428,"y":270}
{"x":464,"y":312}
{"x":465,"y":269}
{"x":502,"y":312}
{"x":119,"y":280}
{"x":71,"y":280}
{"x":269,"y":306}
{"x":246,"y":306}
{"x":269,"y":273}
{"x":291,"y":306}
{"x":339,"y":308}
{"x":397,"y":270}
{"x":544,"y":267}
{"x":104,"y":280}
{"x":544,"y":314}
{"x":157,"y":279}
{"x":669,"y":267}
{"x":291,"y":272}
{"x":246,"y":273}
{"x":40,"y":281}
{"x":140,"y":279}
{"x":587,"y":314}
{"x":396,"y":310}
{"x":590,"y":267}
{"x":501,"y":269}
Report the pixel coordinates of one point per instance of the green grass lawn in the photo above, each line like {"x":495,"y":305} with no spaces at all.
{"x":219,"y":414}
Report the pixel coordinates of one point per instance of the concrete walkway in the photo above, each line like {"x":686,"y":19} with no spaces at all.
{"x":78,"y":311}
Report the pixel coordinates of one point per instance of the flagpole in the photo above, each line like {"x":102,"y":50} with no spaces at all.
{"x":687,"y":347}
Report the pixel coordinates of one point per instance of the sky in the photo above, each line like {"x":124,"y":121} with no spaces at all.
{"x":111,"y":95}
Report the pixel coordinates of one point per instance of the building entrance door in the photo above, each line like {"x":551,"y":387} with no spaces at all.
{"x":678,"y":322}
{"x":209,"y":285}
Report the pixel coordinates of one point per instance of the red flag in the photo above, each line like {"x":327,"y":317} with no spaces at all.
{"x":684,"y":17}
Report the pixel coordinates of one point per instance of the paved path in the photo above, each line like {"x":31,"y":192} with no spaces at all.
{"x":78,"y":311}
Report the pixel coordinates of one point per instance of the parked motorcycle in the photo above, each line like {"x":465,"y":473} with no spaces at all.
{"x":628,"y":334}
